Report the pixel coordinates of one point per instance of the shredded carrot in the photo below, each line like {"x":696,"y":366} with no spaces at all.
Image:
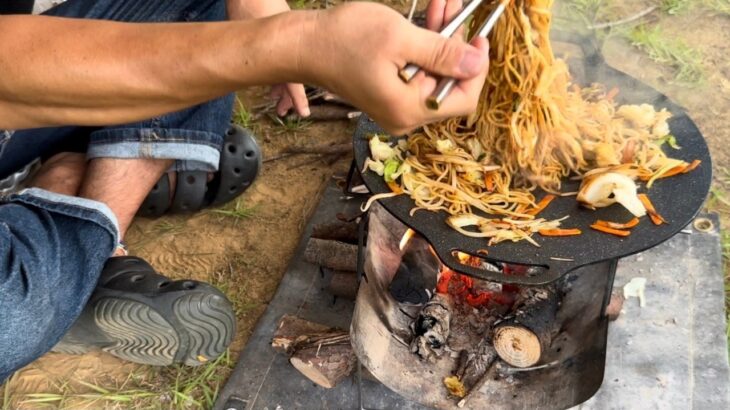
{"x":679,"y":169}
{"x":691,"y":167}
{"x":395,"y":187}
{"x":656,"y":218}
{"x":541,"y":205}
{"x":489,"y":181}
{"x":605,"y":229}
{"x":653,"y":214}
{"x":615,"y":225}
{"x":560,"y":232}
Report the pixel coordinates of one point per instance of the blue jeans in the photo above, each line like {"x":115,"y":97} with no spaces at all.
{"x":53,"y":247}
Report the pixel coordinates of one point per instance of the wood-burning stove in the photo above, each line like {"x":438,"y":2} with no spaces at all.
{"x":568,"y":372}
{"x":579,"y":270}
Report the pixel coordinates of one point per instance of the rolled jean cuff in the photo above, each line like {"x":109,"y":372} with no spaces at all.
{"x":193,"y":150}
{"x":72,"y":206}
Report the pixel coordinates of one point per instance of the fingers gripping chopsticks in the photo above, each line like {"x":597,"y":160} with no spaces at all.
{"x":446,"y":84}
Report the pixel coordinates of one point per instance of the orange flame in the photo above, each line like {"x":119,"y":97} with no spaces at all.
{"x":406,"y":238}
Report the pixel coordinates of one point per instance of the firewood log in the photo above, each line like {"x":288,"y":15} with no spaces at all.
{"x":344,"y":285}
{"x":322,"y":354}
{"x":432,"y":327}
{"x":292,"y":327}
{"x":331,"y":254}
{"x":522,"y":337}
{"x":336,"y":230}
{"x":325,"y":365}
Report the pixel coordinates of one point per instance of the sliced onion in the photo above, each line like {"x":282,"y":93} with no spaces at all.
{"x":606,"y":189}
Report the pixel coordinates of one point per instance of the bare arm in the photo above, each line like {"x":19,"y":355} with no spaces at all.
{"x":85,"y":72}
{"x":290,"y":95}
{"x":251,"y":9}
{"x":56,"y":71}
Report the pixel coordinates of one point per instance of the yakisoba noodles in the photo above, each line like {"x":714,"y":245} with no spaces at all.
{"x":532,"y":129}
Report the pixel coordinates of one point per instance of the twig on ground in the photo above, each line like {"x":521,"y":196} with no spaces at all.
{"x":321,"y":150}
{"x":487,"y":375}
{"x":278,"y":157}
{"x":267,"y":107}
{"x":338,"y":150}
{"x":626,"y":20}
{"x":328,"y":112}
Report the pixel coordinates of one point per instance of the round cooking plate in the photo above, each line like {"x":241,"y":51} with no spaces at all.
{"x":678,"y":199}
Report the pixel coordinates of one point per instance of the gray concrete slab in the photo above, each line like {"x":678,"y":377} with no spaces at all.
{"x":671,"y":354}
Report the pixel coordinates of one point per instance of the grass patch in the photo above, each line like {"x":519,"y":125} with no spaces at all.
{"x":581,"y":13}
{"x":157,"y":231}
{"x":718,"y":6}
{"x":198,"y":387}
{"x":289,"y":124}
{"x":675,"y":6}
{"x":95,"y":397}
{"x":242,"y":116}
{"x":238,"y":211}
{"x":176,"y":388}
{"x":168,"y":227}
{"x":673,"y":52}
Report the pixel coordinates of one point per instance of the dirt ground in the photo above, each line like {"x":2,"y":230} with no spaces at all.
{"x":246,"y":255}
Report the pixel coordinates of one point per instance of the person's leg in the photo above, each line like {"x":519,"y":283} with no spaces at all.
{"x":122,"y":184}
{"x":53,"y":247}
{"x":174,"y":322}
{"x":63,"y":173}
{"x":194,"y":137}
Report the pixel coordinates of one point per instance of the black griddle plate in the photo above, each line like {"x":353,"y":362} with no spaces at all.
{"x":677,"y":199}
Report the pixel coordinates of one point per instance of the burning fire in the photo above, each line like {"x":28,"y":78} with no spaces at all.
{"x":463,"y":287}
{"x":406,"y":238}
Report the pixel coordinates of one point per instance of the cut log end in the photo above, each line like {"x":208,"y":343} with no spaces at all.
{"x":322,"y":354}
{"x":517,"y":346}
{"x":325,"y":366}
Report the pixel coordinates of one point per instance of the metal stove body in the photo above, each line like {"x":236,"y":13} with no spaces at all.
{"x":570,"y":372}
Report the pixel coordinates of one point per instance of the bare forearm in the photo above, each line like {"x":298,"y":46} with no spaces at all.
{"x":68,"y":71}
{"x":253,"y":9}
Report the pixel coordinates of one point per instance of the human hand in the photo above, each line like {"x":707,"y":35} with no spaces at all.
{"x":290,"y":96}
{"x":287,"y":95}
{"x":440,"y":12}
{"x":356,"y":50}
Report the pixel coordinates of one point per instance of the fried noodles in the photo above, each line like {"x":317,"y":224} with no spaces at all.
{"x":532,"y":129}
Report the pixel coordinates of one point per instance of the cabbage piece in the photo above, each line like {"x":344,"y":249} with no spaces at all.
{"x":445,"y":146}
{"x":379,"y":150}
{"x":376,"y":166}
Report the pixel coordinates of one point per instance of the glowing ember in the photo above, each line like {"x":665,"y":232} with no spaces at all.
{"x":463,"y":288}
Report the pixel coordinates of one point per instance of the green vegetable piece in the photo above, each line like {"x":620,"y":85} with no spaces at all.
{"x":391,"y":167}
{"x":670,"y":140}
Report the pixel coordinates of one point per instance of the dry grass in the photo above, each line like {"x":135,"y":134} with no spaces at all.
{"x":174,"y":388}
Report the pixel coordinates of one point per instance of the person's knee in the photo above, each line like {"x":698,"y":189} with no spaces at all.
{"x":31,"y":328}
